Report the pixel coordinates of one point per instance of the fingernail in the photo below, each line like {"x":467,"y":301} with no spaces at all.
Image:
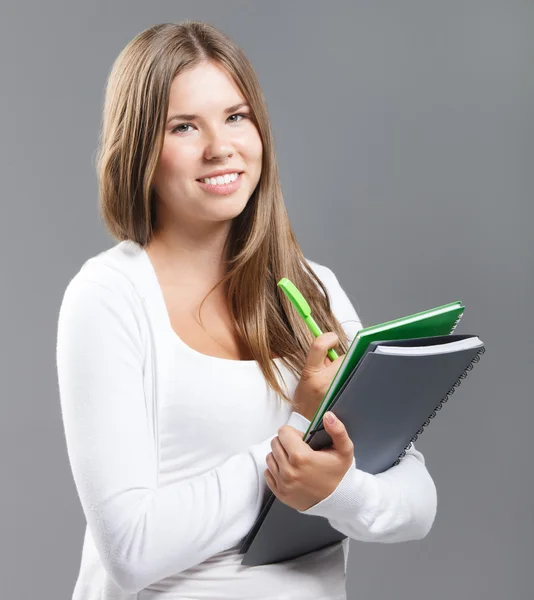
{"x":330,"y":417}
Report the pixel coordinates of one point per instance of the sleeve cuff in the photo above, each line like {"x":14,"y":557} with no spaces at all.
{"x":299,"y":422}
{"x":354,"y":494}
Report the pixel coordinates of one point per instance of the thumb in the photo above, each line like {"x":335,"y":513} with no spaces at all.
{"x":319,"y":350}
{"x":337,"y":431}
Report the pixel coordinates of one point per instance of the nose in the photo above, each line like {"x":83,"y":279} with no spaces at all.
{"x":218,"y":147}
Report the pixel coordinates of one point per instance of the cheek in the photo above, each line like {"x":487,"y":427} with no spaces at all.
{"x":173,"y":161}
{"x":165,"y":160}
{"x":254,"y":147}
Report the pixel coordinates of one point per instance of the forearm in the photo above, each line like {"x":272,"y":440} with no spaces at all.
{"x":143,"y":532}
{"x":397,"y":505}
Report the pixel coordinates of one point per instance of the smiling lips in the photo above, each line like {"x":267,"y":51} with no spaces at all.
{"x":220,"y":176}
{"x":222,"y":188}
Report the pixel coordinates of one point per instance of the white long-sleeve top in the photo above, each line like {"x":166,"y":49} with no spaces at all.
{"x":168,"y":446}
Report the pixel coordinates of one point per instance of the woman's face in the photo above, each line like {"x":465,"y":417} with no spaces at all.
{"x":208,"y":138}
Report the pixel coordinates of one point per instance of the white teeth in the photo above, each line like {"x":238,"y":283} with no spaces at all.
{"x":222,"y":179}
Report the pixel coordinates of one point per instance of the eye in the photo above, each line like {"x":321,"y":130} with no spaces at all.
{"x":238,"y":115}
{"x":178,"y":126}
{"x":178,"y":130}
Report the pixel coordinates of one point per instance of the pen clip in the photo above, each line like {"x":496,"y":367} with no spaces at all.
{"x":296,"y":298}
{"x":304,"y":310}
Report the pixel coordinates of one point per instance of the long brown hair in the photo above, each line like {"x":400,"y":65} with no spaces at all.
{"x":261,"y":246}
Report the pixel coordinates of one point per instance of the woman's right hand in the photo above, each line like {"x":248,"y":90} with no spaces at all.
{"x":317,"y":375}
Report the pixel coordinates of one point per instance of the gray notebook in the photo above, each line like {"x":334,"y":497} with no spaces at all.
{"x":391,"y":396}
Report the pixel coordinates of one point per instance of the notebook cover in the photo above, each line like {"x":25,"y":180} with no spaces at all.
{"x":426,"y":341}
{"x":418,"y":325}
{"x":384,"y":406}
{"x":325,"y":441}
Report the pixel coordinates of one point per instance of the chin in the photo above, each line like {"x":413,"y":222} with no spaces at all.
{"x":232,"y":207}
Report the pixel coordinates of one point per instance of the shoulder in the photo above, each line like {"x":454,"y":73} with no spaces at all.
{"x":103,"y":285}
{"x":326,"y":275}
{"x":116,"y":269}
{"x":100,"y":309}
{"x":329,"y":279}
{"x":342,"y":303}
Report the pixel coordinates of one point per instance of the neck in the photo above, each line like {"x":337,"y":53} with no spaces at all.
{"x":190,"y":255}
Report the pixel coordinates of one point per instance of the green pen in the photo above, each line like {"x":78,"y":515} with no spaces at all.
{"x":303,"y":308}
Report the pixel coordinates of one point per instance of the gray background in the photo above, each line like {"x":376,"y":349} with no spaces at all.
{"x":404,"y":133}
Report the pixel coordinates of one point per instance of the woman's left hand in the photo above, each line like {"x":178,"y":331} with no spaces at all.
{"x":301,"y":477}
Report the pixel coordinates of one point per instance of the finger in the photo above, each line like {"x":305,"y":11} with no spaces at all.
{"x":279,"y":452}
{"x":272,"y":463}
{"x":319,"y":350}
{"x":296,"y":449}
{"x":341,"y":441}
{"x":271,"y":481}
{"x":335,"y":363}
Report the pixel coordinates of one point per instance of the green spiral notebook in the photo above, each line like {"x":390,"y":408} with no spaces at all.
{"x":441,"y":320}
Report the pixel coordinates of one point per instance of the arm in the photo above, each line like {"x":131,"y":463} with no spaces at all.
{"x":394,"y":506}
{"x":397,"y":505}
{"x":143,"y":533}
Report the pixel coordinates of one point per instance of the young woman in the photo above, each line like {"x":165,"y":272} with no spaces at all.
{"x":186,"y":377}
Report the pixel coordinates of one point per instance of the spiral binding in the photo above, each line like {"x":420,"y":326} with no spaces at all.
{"x":469,"y":367}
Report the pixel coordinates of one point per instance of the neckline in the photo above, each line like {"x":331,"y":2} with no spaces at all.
{"x":163,"y":307}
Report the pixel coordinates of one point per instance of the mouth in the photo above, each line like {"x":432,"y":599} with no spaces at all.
{"x":223,"y":188}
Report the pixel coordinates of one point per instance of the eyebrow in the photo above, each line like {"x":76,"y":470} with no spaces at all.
{"x":230,"y":109}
